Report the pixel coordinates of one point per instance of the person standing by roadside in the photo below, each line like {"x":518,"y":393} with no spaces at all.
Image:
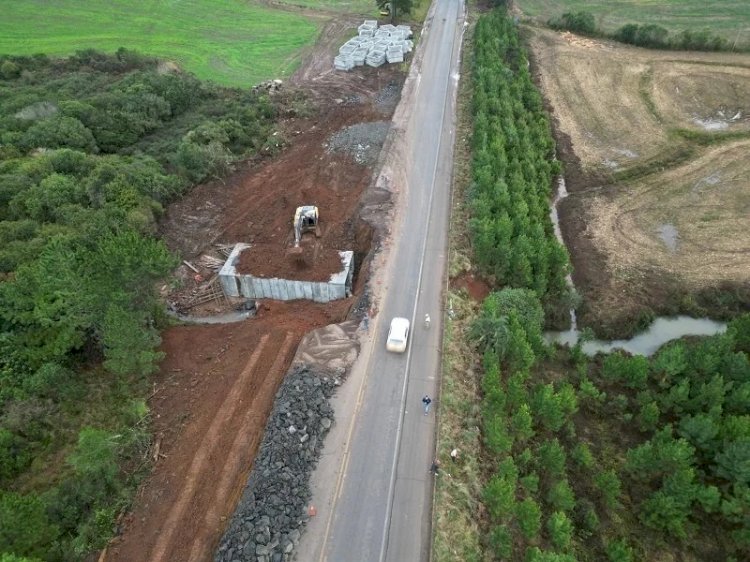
{"x":454,"y":454}
{"x":426,"y":401}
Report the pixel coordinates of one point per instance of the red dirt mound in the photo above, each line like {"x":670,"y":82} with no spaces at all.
{"x":476,"y":288}
{"x":311,"y":262}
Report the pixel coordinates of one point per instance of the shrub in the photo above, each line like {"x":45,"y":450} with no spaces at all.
{"x":646,"y":35}
{"x":9,"y":70}
{"x":582,"y":456}
{"x":500,"y":497}
{"x":619,"y":551}
{"x":529,"y":518}
{"x":579,"y":22}
{"x":552,"y":458}
{"x":25,"y":529}
{"x":588,"y":391}
{"x":561,"y":496}
{"x":631,"y":371}
{"x":588,"y":517}
{"x":609,"y":486}
{"x":521,"y":423}
{"x":560,"y":530}
{"x":530,"y":483}
{"x":58,"y":132}
{"x":15,"y":455}
{"x":648,"y":417}
{"x":501,"y":542}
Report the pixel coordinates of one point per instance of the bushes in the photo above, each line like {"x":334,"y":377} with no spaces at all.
{"x":91,"y":152}
{"x":648,"y":35}
{"x":578,"y":22}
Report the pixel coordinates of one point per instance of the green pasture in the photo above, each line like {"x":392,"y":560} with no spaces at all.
{"x":728,"y":18}
{"x":232,"y":42}
{"x":366,"y":7}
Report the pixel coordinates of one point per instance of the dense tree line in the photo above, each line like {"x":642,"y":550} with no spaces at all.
{"x":621,"y":457}
{"x":513,"y":170}
{"x":91,"y":149}
{"x":617,"y":458}
{"x":648,"y":35}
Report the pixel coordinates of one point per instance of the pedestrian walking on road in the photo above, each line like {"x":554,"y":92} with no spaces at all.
{"x":454,"y":455}
{"x":426,"y":400}
{"x":426,"y":320}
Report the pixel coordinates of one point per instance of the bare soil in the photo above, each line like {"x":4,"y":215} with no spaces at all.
{"x":216,"y":386}
{"x":653,"y":144}
{"x":476,"y":288}
{"x":313,"y":262}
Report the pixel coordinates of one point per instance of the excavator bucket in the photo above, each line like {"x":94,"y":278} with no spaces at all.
{"x":294,"y":251}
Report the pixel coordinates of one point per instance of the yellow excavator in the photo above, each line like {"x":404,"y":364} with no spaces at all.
{"x":305,"y":220}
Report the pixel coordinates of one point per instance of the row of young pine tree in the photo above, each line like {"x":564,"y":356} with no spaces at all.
{"x":513,"y":169}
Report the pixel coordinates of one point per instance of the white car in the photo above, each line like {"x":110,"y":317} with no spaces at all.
{"x":398,"y":335}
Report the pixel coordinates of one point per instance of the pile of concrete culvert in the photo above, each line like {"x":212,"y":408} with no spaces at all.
{"x":375,"y":46}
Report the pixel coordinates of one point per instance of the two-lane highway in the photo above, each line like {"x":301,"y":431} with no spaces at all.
{"x":376,"y":492}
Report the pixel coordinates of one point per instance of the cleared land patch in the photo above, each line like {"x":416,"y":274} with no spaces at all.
{"x":729,"y":18}
{"x":622,"y":106}
{"x":655,"y":145}
{"x":233,"y":43}
{"x":690,"y":221}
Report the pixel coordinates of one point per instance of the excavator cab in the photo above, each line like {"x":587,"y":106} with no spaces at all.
{"x":305,"y":220}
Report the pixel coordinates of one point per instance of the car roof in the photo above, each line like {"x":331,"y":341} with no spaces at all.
{"x":400,"y":324}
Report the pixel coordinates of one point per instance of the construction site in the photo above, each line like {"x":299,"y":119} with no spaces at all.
{"x":275,"y":251}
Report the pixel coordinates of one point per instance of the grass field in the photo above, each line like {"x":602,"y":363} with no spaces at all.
{"x":725,"y":17}
{"x":231,"y":42}
{"x":347,"y":6}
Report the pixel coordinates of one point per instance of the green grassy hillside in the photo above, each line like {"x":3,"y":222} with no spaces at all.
{"x":728,"y":18}
{"x":232,"y":42}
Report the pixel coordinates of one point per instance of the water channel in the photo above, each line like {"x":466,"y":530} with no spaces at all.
{"x":661,"y":331}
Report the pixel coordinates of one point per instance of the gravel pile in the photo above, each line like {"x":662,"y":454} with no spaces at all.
{"x":270,"y":517}
{"x":362,"y":141}
{"x":388,"y":97}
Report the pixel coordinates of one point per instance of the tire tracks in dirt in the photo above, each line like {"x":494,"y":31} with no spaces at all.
{"x":200,"y":468}
{"x":243,"y":449}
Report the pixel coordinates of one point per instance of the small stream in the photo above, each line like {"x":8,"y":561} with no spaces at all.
{"x":661,"y":331}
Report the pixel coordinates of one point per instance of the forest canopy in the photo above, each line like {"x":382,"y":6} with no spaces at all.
{"x":92,"y":148}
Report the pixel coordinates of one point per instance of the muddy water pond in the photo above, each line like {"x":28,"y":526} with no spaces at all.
{"x":661,"y":331}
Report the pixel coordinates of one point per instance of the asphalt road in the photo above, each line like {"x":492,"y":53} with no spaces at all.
{"x":375,"y":492}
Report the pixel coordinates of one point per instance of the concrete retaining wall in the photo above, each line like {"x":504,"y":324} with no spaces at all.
{"x":234,"y":284}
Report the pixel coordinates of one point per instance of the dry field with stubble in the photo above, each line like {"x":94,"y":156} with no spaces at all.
{"x":657,"y":153}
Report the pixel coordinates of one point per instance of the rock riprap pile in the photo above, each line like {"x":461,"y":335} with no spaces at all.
{"x":362,"y":141}
{"x":271,"y":515}
{"x":374,"y":46}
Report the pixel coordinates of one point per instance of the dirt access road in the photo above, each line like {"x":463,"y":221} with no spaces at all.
{"x":217,"y":383}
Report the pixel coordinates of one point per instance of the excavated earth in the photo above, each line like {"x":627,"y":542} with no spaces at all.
{"x":216,"y":387}
{"x":313,"y":262}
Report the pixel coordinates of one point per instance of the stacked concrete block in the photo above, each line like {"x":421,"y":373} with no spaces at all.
{"x":359,"y":56}
{"x":375,"y":58}
{"x":406,"y":30}
{"x":343,"y":63}
{"x":394,"y":54}
{"x":374,"y":46}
